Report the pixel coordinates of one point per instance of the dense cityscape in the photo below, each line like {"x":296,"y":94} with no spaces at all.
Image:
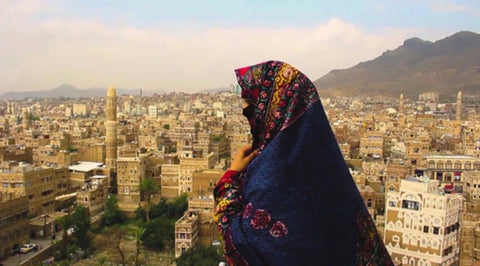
{"x":80,"y":174}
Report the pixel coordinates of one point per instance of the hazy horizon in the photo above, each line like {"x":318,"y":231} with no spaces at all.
{"x":191,"y":46}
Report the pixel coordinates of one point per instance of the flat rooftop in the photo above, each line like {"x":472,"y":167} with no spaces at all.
{"x":85,"y":166}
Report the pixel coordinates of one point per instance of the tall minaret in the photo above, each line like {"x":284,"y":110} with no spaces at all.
{"x":111,"y":128}
{"x":25,"y":122}
{"x":459,"y":106}
{"x":400,"y":104}
{"x":11,"y":108}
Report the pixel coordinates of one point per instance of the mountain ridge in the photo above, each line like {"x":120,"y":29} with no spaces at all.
{"x":417,"y":66}
{"x":68,"y":91}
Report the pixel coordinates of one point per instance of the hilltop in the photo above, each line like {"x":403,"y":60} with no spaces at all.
{"x":417,"y":66}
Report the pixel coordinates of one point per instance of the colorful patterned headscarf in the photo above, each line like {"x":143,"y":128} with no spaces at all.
{"x":280,"y":94}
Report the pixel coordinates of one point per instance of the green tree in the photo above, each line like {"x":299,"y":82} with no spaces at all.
{"x":66,"y":223}
{"x":200,"y":256}
{"x":138,"y":233}
{"x":111,"y":238}
{"x":81,"y":225}
{"x":166,"y":126}
{"x":71,"y":149}
{"x":112,"y":214}
{"x":159,"y":233}
{"x":148,"y":187}
{"x":171,"y":210}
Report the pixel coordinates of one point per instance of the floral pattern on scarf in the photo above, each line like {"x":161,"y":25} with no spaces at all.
{"x":280,"y":93}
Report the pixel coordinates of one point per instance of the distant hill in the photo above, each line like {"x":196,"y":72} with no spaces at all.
{"x":69,"y":91}
{"x":445,"y":66}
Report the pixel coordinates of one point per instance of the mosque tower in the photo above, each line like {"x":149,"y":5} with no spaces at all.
{"x":111,"y":130}
{"x":459,"y":106}
{"x":25,"y":121}
{"x":400,"y":104}
{"x":11,"y":108}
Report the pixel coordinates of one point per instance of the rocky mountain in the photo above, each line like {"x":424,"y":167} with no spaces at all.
{"x":417,"y":66}
{"x":68,"y":91}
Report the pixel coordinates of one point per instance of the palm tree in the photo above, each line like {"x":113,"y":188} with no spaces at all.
{"x":138,"y":232}
{"x":148,"y":187}
{"x":66,"y":222}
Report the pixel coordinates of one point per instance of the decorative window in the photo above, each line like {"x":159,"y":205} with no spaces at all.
{"x":412,"y":261}
{"x":468,"y":165}
{"x":423,"y":243}
{"x":411,"y":205}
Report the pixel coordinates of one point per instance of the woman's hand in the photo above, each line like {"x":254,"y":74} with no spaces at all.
{"x":243,"y":157}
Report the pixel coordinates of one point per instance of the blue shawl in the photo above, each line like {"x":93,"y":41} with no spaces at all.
{"x":300,"y":205}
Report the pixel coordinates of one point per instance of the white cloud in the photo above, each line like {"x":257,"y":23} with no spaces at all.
{"x":42,"y":54}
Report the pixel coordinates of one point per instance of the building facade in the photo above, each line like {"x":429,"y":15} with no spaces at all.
{"x":186,"y":232}
{"x":130,"y":172}
{"x":422,"y":224}
{"x":14,"y":227}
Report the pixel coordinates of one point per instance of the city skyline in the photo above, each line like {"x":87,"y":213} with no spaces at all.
{"x":190,"y":46}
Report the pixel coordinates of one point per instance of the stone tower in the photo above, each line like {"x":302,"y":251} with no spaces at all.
{"x":25,"y":121}
{"x":111,"y":130}
{"x":400,"y":104}
{"x":459,"y":106}
{"x":11,"y":108}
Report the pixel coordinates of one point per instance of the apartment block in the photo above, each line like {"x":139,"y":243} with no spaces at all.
{"x":37,"y":183}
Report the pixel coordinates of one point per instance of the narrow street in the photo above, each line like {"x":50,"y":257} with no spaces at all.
{"x":42,"y":244}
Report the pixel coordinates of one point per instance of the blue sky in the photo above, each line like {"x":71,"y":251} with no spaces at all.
{"x":194,"y":45}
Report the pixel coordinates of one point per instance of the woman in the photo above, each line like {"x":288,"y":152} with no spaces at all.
{"x":289,"y":199}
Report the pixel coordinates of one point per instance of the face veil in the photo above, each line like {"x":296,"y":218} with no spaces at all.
{"x":279,"y":94}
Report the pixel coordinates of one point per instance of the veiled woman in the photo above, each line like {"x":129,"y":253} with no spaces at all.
{"x":289,"y":199}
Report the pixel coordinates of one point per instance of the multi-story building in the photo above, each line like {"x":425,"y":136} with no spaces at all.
{"x":395,"y":171}
{"x":130,"y":172}
{"x":81,"y":172}
{"x":93,"y":195}
{"x":186,"y":232}
{"x":369,"y":198}
{"x":371,"y":145}
{"x":54,"y":157}
{"x":153,"y":111}
{"x":188,"y":165}
{"x":204,"y":182}
{"x":80,"y":109}
{"x":38,"y":183}
{"x":373,"y":170}
{"x":170,"y":180}
{"x":14,"y":227}
{"x":422,"y":224}
{"x":470,"y":238}
{"x":208,"y":230}
{"x":16,"y":153}
{"x":448,"y":168}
